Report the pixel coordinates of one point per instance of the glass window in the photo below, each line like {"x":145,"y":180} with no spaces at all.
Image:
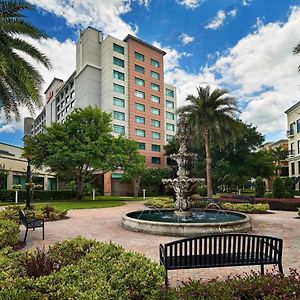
{"x":170,"y":127}
{"x":298,"y":146}
{"x":155,"y":160}
{"x":139,"y":94}
{"x":293,"y":168}
{"x":140,"y":120}
{"x":154,"y":63}
{"x":155,"y":111}
{"x":118,"y":75}
{"x":140,"y":132}
{"x":155,"y":99}
{"x":142,"y":146}
{"x":119,"y":88}
{"x":298,"y":125}
{"x":117,"y":115}
{"x":119,"y":129}
{"x":118,"y":62}
{"x":169,"y":137}
{"x":155,"y":87}
{"x":170,"y":116}
{"x":155,"y":135}
{"x":139,"y":56}
{"x":118,"y":48}
{"x":139,"y":106}
{"x":139,"y":69}
{"x":72,"y":94}
{"x":155,"y":123}
{"x":139,"y":81}
{"x":170,"y":104}
{"x":155,"y":148}
{"x":119,"y":102}
{"x":154,"y":75}
{"x":169,"y":93}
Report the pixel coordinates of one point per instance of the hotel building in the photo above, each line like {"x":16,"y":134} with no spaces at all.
{"x":124,"y":77}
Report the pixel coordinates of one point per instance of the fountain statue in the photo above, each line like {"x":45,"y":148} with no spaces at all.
{"x":183,"y":185}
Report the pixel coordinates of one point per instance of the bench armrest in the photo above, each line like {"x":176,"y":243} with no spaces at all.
{"x":31,"y":221}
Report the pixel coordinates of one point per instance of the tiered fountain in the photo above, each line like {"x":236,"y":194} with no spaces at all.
{"x":185,"y":221}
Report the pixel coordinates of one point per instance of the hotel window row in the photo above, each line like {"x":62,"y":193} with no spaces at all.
{"x":141,"y":57}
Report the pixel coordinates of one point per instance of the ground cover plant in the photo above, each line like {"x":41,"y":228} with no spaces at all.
{"x":259,"y":208}
{"x":79,"y":269}
{"x":160,"y":202}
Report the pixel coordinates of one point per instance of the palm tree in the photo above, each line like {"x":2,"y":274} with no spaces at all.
{"x":212,"y":116}
{"x":297,"y":51}
{"x":279,"y":155}
{"x":20,"y":82}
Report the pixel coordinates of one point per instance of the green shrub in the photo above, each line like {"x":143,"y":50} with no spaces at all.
{"x":259,"y":208}
{"x":289,"y":187}
{"x":278,"y":188}
{"x":9,"y":233}
{"x":202,"y":190}
{"x":160,"y":203}
{"x":299,"y":212}
{"x":259,"y":187}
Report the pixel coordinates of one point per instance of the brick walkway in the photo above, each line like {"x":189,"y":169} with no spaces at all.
{"x":105,"y":225}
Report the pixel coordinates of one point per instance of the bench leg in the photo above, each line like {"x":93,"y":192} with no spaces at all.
{"x":166,"y":279}
{"x":25,"y":235}
{"x":43,"y":232}
{"x":262,"y":271}
{"x":280,"y":268}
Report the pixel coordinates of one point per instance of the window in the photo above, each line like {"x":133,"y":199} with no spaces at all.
{"x":118,"y":75}
{"x":139,"y":81}
{"x":169,"y":137}
{"x":155,"y":148}
{"x":170,"y":127}
{"x":155,"y":87}
{"x":140,"y":132}
{"x":298,"y":146}
{"x":155,"y":99}
{"x":72,"y":94}
{"x":139,"y":94}
{"x":154,"y":63}
{"x":118,"y":48}
{"x":117,"y":115}
{"x":293,"y":168}
{"x":170,"y":116}
{"x":118,"y":62}
{"x":142,"y":146}
{"x":119,"y":88}
{"x":139,"y":69}
{"x":155,"y":160}
{"x":139,"y":56}
{"x":154,"y":75}
{"x":119,"y":129}
{"x":169,"y":93}
{"x":155,"y":123}
{"x":298,"y":125}
{"x":155,"y":135}
{"x":139,"y":106}
{"x":119,"y":102}
{"x":170,"y":104}
{"x":155,"y":111}
{"x":139,"y":120}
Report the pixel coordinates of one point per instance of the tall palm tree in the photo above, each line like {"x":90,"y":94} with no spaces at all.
{"x":279,"y":155}
{"x":297,"y":51}
{"x":20,"y":82}
{"x":212,"y":116}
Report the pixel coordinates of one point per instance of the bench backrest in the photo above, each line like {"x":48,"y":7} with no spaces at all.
{"x":22,"y":216}
{"x":223,"y":249}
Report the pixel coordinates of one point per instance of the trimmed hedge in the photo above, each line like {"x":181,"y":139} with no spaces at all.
{"x":160,"y":203}
{"x":9,"y":233}
{"x":9,"y":195}
{"x":258,"y":208}
{"x":81,"y":269}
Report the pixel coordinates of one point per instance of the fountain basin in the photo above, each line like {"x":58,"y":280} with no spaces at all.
{"x":161,"y":223}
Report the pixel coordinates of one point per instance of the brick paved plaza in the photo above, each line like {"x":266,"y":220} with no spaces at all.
{"x":105,"y":225}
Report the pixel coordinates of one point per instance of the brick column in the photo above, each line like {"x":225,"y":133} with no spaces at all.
{"x":107,"y":184}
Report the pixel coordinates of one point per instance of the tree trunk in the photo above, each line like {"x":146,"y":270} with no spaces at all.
{"x":79,"y":186}
{"x":136,"y":186}
{"x":208,"y":164}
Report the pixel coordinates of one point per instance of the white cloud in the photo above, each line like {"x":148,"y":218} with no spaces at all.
{"x":246,"y":2}
{"x":185,"y":38}
{"x":220,"y":18}
{"x":190,"y":3}
{"x":7,"y":128}
{"x":104,"y":14}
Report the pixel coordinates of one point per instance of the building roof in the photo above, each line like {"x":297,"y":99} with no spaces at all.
{"x":55,"y":78}
{"x":66,"y":82}
{"x":10,"y":145}
{"x":129,"y":36}
{"x":293,"y":107}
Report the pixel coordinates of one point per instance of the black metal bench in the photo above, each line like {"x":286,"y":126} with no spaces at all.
{"x":29,"y":221}
{"x":221,"y":250}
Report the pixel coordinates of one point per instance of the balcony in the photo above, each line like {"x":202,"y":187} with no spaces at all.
{"x":291,"y":154}
{"x":290,"y":133}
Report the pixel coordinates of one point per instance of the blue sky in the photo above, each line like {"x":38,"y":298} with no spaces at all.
{"x":242,"y":45}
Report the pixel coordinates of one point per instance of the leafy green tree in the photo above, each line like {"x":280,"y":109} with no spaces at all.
{"x":289,"y":187}
{"x":20,"y":82}
{"x":259,"y":187}
{"x":278,"y":188}
{"x":133,"y":173}
{"x":297,"y":51}
{"x":279,"y":154}
{"x":212,"y":116}
{"x":82,"y":143}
